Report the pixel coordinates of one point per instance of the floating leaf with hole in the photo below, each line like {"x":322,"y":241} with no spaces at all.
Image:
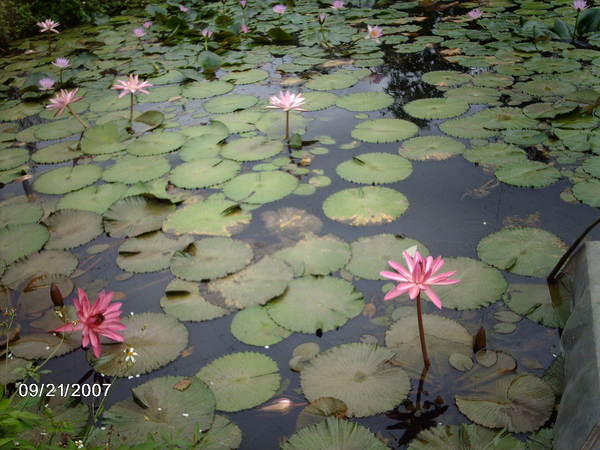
{"x":260,"y":187}
{"x":310,"y":304}
{"x":135,"y":215}
{"x":57,"y":153}
{"x":71,"y":228}
{"x":241,"y":380}
{"x":93,"y":198}
{"x":370,"y":255}
{"x":240,"y":121}
{"x":302,"y":354}
{"x":246,"y":76}
{"x":471,"y":127}
{"x":365,"y":101}
{"x":495,"y":154}
{"x":183,"y":300}
{"x":371,"y":205}
{"x":471,"y":436}
{"x":375,"y":168}
{"x":203,"y":173}
{"x":422,"y":148}
{"x":316,"y":255}
{"x":436,"y":108}
{"x":156,"y":143}
{"x":157,"y":338}
{"x":206,"y":89}
{"x":46,"y":262}
{"x":43,"y":345}
{"x":380,"y":131}
{"x":359,"y":375}
{"x":134,"y":169}
{"x":67,"y":179}
{"x":17,"y":241}
{"x":331,"y":81}
{"x":525,"y":251}
{"x":532,"y":301}
{"x":150,"y":252}
{"x":533,"y":174}
{"x":253,"y":326}
{"x":211,"y":258}
{"x":106,"y":138}
{"x":58,"y":129}
{"x":222,"y":435}
{"x":251,"y":149}
{"x":230,"y":103}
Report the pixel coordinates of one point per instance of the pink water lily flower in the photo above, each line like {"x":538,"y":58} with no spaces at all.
{"x":279,"y":9}
{"x":579,"y":5}
{"x":243,"y":3}
{"x":183,"y":8}
{"x":475,"y":13}
{"x":46,"y":84}
{"x":102,"y":318}
{"x":322,"y":18}
{"x":63,"y":63}
{"x":63,"y":99}
{"x":147,"y":24}
{"x":48,"y":25}
{"x":131,"y":86}
{"x":139,"y":32}
{"x":287,"y":101}
{"x":244,"y":28}
{"x":419,"y":275}
{"x":337,"y":4}
{"x":374,"y":33}
{"x":207,"y":33}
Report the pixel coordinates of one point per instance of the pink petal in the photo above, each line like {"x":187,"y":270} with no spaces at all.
{"x":433,"y":297}
{"x":393,"y":276}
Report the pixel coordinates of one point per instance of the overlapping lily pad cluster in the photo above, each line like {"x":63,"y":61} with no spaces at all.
{"x":203,"y":158}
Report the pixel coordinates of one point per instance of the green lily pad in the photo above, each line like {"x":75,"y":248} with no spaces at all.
{"x":316,"y":101}
{"x":371,"y":205}
{"x":211,"y":258}
{"x":160,"y":94}
{"x":496,"y":154}
{"x":365,"y":101}
{"x":380,"y":131}
{"x":203,"y":173}
{"x":533,"y":174}
{"x":445,"y":78}
{"x":135,"y":215}
{"x":375,"y":168}
{"x":359,"y":375}
{"x":437,"y":148}
{"x":67,"y":179}
{"x":13,"y":157}
{"x":10,"y":370}
{"x":134,"y":169}
{"x":240,"y":121}
{"x":532,"y":301}
{"x":545,"y":88}
{"x":272,"y":123}
{"x":47,"y":262}
{"x":20,"y":213}
{"x":475,"y":95}
{"x":241,"y":380}
{"x":71,"y":228}
{"x":253,"y":326}
{"x":592,"y":166}
{"x":260,"y":187}
{"x":588,"y":192}
{"x":505,"y":119}
{"x":443,"y":437}
{"x":17,"y":241}
{"x":436,"y":108}
{"x":198,"y":148}
{"x":183,"y":300}
{"x":316,"y":255}
{"x":525,"y":251}
{"x":331,"y":81}
{"x":109,"y":137}
{"x":230,"y":103}
{"x":206,"y":89}
{"x":222,"y":435}
{"x":246,"y":76}
{"x":93,"y":198}
{"x":156,"y":143}
{"x":150,"y":252}
{"x":57,"y":153}
{"x":58,"y":129}
{"x":251,"y":149}
{"x":468,"y":128}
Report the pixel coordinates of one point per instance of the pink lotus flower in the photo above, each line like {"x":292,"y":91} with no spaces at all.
{"x":63,"y":63}
{"x":147,"y":24}
{"x":207,"y":33}
{"x":183,"y":8}
{"x":322,"y":18}
{"x":419,"y":276}
{"x":243,"y":3}
{"x":48,"y":25}
{"x":46,"y":84}
{"x":475,"y":13}
{"x":62,"y":100}
{"x":287,"y":101}
{"x":139,"y":32}
{"x":337,"y":4}
{"x":244,"y":28}
{"x":102,"y":318}
{"x":131,"y":86}
{"x":374,"y":33}
{"x":279,"y":9}
{"x":579,"y":5}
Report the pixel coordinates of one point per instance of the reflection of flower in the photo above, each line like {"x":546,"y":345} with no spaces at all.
{"x":63,"y":63}
{"x":102,"y":318}
{"x":63,"y":99}
{"x":130,"y":354}
{"x":579,"y":5}
{"x":418,"y":277}
{"x":287,"y":101}
{"x":131,"y":86}
{"x":147,"y":24}
{"x":337,"y":4}
{"x":207,"y":33}
{"x":279,"y":9}
{"x":475,"y":13}
{"x":48,"y":25}
{"x":374,"y":33}
{"x":46,"y":84}
{"x":139,"y":32}
{"x":244,"y":28}
{"x":183,"y":8}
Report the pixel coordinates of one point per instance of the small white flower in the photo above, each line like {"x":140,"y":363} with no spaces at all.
{"x":47,"y":347}
{"x":79,"y":443}
{"x":266,"y":346}
{"x":160,"y":409}
{"x":130,"y":354}
{"x":130,"y":377}
{"x":185,"y":414}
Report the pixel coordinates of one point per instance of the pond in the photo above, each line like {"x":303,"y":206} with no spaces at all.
{"x":248,"y":263}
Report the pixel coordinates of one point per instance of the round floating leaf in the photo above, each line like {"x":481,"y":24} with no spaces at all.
{"x":93,"y":198}
{"x":43,"y":345}
{"x":334,"y":433}
{"x":106,"y":138}
{"x":253,"y":326}
{"x":372,"y":205}
{"x":214,"y":216}
{"x":519,"y":403}
{"x":241,"y":380}
{"x":251,"y":149}
{"x":272,"y":123}
{"x":436,"y":108}
{"x":133,"y":169}
{"x":58,"y":129}
{"x":57,"y":153}
{"x":302,"y":354}
{"x":203,"y":173}
{"x":384,"y":130}
{"x":592,"y":166}
{"x":67,"y":179}
{"x":291,"y":222}
{"x":480,"y":284}
{"x":315,"y":101}
{"x":71,"y":228}
{"x":214,"y":132}
{"x":359,"y":375}
{"x":545,"y":88}
{"x":199,"y":147}
{"x":316,"y":255}
{"x":10,"y":370}
{"x":475,"y":95}
{"x":157,"y":338}
{"x":20,"y":213}
{"x":183,"y":300}
{"x":467,"y":128}
{"x":17,"y":241}
{"x":260,"y":187}
{"x":149,"y":252}
{"x":13,"y":157}
{"x":370,"y":255}
{"x":496,"y":154}
{"x":375,"y":168}
{"x":532,"y":301}
{"x":211,"y":258}
{"x":160,"y":94}
{"x":331,"y":81}
{"x":255,"y":285}
{"x":156,"y":143}
{"x":444,"y":337}
{"x":524,"y":251}
{"x":205,"y":89}
{"x":159,"y":408}
{"x":310,"y":304}
{"x":588,"y":192}
{"x":246,"y":76}
{"x":47,"y":262}
{"x":443,"y":437}
{"x":506,"y":119}
{"x":365,"y":101}
{"x":230,"y":103}
{"x":321,"y":409}
{"x":222,"y":435}
{"x":135,"y":215}
{"x":533,"y":174}
{"x":550,"y":65}
{"x":422,"y":148}
{"x":445,"y":78}
{"x":460,"y":361}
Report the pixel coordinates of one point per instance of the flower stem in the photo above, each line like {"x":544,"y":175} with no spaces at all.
{"x":205,"y":44}
{"x":426,"y":361}
{"x":61,"y":76}
{"x":131,"y":110}
{"x":287,"y":126}
{"x":79,"y":119}
{"x":576,"y":23}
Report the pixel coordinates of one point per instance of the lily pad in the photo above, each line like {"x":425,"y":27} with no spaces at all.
{"x":133,"y":169}
{"x":135,"y":215}
{"x":13,"y":157}
{"x":230,"y":103}
{"x":588,"y":192}
{"x":331,"y":81}
{"x":316,"y":101}
{"x":58,"y":129}
{"x":206,"y":89}
{"x":222,"y":435}
{"x":253,"y":326}
{"x":445,"y":78}
{"x":437,"y":148}
{"x":533,"y":174}
{"x":436,"y":108}
{"x":442,"y":437}
{"x":110,"y":137}
{"x":71,"y":228}
{"x":156,"y":143}
{"x":57,"y":153}
{"x":183,"y":300}
{"x":532,"y":301}
{"x":47,"y":262}
{"x":380,"y":131}
{"x":93,"y":198}
{"x":67,"y":179}
{"x":365,"y":101}
{"x":495,"y":154}
{"x":203,"y":173}
{"x":251,"y":149}
{"x":150,"y":252}
{"x":17,"y":241}
{"x":20,"y":213}
{"x":246,"y":76}
{"x":375,"y":168}
{"x":316,"y":255}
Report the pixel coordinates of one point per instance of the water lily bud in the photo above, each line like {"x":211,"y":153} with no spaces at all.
{"x":56,"y":295}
